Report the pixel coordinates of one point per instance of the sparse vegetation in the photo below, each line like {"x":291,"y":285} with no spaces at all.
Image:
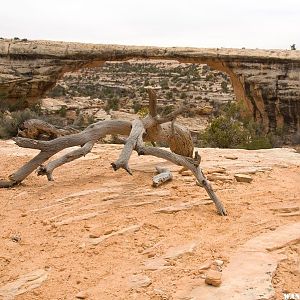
{"x":10,"y":122}
{"x":233,"y":130}
{"x":165,"y":110}
{"x":224,"y":86}
{"x":112,"y":104}
{"x":63,"y":111}
{"x":143,"y":112}
{"x":136,"y":106}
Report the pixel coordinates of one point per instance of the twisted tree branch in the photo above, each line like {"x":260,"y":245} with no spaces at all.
{"x":151,"y":128}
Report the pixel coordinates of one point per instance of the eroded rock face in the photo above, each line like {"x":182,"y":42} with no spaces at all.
{"x":268,"y":81}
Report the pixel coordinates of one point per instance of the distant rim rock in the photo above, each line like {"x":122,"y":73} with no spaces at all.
{"x":267,"y":81}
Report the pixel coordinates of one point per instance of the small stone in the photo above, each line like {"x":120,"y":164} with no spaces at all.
{"x":206,"y":265}
{"x":213,"y":278}
{"x":16,"y":238}
{"x":158,"y":263}
{"x":82,"y":295}
{"x":221,"y":170}
{"x":139,"y":280}
{"x":243,"y":178}
{"x":176,"y":252}
{"x":219,"y":176}
{"x":186,"y":173}
{"x":82,"y":245}
{"x":219,"y":262}
{"x":233,"y":157}
{"x":151,"y":254}
{"x":108,"y":231}
{"x":94,"y":235}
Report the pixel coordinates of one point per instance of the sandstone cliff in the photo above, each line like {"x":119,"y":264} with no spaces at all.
{"x":268,"y":81}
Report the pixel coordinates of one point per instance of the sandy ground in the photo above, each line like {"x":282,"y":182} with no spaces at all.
{"x":92,"y":233}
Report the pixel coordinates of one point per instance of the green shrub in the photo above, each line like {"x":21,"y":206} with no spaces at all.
{"x":169,"y":95}
{"x":112,"y":103}
{"x":143,"y":112}
{"x":164,"y":83}
{"x":224,"y":133}
{"x":233,"y":130}
{"x":165,"y":110}
{"x":63,"y":111}
{"x":224,"y":86}
{"x":57,"y":91}
{"x":136,"y":106}
{"x":10,"y":122}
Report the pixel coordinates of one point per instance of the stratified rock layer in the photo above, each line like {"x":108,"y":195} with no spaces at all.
{"x":268,"y":81}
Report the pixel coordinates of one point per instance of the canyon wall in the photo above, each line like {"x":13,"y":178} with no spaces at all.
{"x":267,"y":81}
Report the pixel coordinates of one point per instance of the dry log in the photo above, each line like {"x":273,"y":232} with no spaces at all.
{"x":151,"y":128}
{"x":163,"y":176}
{"x":39,"y":129}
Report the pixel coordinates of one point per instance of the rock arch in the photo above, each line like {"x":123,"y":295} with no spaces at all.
{"x":268,"y":81}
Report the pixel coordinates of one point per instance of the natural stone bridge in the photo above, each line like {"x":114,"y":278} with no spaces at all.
{"x":268,"y":81}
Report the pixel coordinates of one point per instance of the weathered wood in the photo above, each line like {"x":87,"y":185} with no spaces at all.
{"x":49,"y":168}
{"x":48,"y":148}
{"x":151,"y":128}
{"x":163,"y":176}
{"x":189,"y":164}
{"x":136,"y":132}
{"x":37,"y":129}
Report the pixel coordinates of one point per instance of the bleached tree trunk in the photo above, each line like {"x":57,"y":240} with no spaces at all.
{"x":151,"y":128}
{"x":163,"y":176}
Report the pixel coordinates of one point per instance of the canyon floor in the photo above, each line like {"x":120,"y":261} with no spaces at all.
{"x":98,"y":234}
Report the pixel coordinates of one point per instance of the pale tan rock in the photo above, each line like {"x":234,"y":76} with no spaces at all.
{"x":219,"y":262}
{"x":176,"y":252}
{"x":286,"y":210}
{"x":127,"y":230}
{"x":251,"y":268}
{"x":220,"y":177}
{"x":213,"y":277}
{"x":82,"y":295}
{"x":157,"y":263}
{"x":23,"y":284}
{"x":215,"y":170}
{"x":243,"y":178}
{"x":139,"y":281}
{"x":71,"y":115}
{"x":205,"y":265}
{"x":233,"y":157}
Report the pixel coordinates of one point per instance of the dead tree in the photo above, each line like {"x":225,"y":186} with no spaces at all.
{"x":152,"y":128}
{"x":39,"y":129}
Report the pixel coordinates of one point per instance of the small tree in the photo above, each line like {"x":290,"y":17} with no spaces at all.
{"x":224,"y":86}
{"x":233,"y":130}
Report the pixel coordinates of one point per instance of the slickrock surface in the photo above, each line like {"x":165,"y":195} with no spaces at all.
{"x":96,"y":234}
